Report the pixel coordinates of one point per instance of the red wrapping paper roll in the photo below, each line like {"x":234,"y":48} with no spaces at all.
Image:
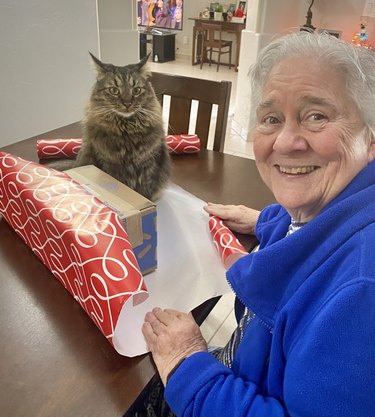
{"x":69,"y":148}
{"x":58,"y":148}
{"x":76,"y":236}
{"x":183,"y":143}
{"x":227,"y":245}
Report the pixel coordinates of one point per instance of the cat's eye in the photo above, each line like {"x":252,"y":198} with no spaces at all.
{"x":137,"y":91}
{"x":114,"y":91}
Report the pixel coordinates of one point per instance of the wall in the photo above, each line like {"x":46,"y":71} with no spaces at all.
{"x":45,"y":72}
{"x":118,"y":32}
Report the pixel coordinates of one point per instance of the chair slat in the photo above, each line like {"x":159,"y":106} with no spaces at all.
{"x":179,"y":115}
{"x":202,"y":126}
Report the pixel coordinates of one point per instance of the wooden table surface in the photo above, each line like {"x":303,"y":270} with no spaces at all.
{"x":54,"y":360}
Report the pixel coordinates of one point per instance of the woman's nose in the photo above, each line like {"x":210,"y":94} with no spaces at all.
{"x":290,"y":138}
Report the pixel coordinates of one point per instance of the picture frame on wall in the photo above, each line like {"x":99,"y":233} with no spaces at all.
{"x":242,"y":5}
{"x":335,"y":33}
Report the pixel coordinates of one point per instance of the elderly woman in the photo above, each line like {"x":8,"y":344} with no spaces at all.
{"x":305,"y":305}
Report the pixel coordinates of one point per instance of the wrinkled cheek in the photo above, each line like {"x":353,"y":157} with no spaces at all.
{"x":265,"y":172}
{"x":262,"y":147}
{"x":343,"y":150}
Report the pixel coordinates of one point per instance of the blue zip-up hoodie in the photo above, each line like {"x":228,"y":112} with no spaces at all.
{"x":310,"y":350}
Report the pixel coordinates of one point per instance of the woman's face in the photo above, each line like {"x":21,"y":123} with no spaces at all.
{"x":310,"y":140}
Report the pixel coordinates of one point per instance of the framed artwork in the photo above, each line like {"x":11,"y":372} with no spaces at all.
{"x":336,"y":33}
{"x":232,"y":8}
{"x":213,"y":6}
{"x":242,"y":5}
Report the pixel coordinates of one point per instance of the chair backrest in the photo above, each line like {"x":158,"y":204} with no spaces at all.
{"x":183,"y":90}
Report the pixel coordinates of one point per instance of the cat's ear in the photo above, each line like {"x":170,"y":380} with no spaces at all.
{"x":141,"y":66}
{"x":143,"y":61}
{"x":101,"y":67}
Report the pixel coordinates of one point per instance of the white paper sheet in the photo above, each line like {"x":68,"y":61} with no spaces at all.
{"x":189,"y":268}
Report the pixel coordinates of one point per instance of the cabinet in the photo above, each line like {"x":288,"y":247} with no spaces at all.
{"x":163,"y":45}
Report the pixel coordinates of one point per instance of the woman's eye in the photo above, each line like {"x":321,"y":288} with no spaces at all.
{"x":271,"y":120}
{"x":316,"y":117}
{"x":114,"y":91}
{"x":137,"y":91}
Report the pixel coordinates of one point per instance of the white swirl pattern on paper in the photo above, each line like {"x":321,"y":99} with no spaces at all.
{"x":69,"y":148}
{"x":183,"y":143}
{"x":226,"y":244}
{"x":58,"y":148}
{"x":77,"y":237}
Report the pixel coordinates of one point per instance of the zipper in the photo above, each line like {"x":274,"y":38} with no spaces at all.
{"x":263,"y":322}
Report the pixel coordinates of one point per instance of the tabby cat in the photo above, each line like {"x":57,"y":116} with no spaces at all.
{"x":123,"y":131}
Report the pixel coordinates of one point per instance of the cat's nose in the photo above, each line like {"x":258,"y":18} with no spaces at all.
{"x":127,"y":104}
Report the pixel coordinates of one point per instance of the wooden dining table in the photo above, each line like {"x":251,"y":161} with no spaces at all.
{"x":54,"y":362}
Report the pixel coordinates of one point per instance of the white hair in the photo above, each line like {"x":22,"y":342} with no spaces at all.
{"x":355,"y":64}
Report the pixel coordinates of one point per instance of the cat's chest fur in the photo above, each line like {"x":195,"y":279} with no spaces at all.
{"x":111,"y":148}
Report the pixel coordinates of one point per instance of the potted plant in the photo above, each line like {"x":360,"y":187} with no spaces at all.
{"x":218,"y":11}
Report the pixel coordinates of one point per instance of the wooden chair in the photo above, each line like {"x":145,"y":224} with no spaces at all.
{"x":210,"y":43}
{"x":183,"y":90}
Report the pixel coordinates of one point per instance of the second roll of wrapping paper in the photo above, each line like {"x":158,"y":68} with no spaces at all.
{"x":69,"y":147}
{"x":227,"y":245}
{"x":58,"y":148}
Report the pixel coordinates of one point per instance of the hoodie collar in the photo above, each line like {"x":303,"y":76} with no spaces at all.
{"x":265,"y":280}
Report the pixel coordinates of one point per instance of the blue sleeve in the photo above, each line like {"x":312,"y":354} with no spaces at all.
{"x":329,"y":369}
{"x":202,"y":386}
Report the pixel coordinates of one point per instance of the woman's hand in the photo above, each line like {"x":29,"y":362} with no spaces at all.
{"x":171,"y":336}
{"x":240,"y":219}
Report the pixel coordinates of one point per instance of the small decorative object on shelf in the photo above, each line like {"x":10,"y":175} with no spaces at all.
{"x":205,"y":14}
{"x":360,"y":38}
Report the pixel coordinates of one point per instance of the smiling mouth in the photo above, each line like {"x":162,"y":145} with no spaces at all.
{"x":296,"y":170}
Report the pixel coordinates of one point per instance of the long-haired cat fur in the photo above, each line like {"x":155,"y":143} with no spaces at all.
{"x":123,"y":132}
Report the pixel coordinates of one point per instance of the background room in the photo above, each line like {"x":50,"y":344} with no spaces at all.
{"x":46,"y":72}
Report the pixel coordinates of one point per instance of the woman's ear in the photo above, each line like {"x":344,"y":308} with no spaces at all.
{"x":371,"y":150}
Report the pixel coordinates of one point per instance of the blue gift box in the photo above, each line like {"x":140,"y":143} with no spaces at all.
{"x":138,"y":214}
